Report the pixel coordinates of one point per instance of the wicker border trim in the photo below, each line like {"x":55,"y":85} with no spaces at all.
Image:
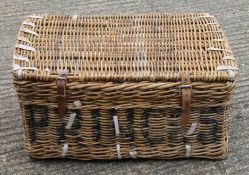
{"x":133,"y":154}
{"x":226,"y":67}
{"x":74,"y":17}
{"x":35,"y":16}
{"x":118,"y":151}
{"x":205,"y":16}
{"x":47,"y":70}
{"x":18,"y":69}
{"x":28,"y":23}
{"x":70,"y":121}
{"x":21,"y":38}
{"x":192,"y":129}
{"x":64,"y":150}
{"x":21,"y":58}
{"x":220,"y":39}
{"x":115,"y":120}
{"x":218,"y":49}
{"x":77,"y":103}
{"x":188,"y":150}
{"x":228,"y":58}
{"x":25,"y":47}
{"x":22,"y":29}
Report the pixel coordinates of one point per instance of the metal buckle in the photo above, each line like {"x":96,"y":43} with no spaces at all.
{"x":61,"y":78}
{"x":185,"y":87}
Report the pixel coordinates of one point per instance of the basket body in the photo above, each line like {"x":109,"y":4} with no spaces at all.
{"x":142,"y":86}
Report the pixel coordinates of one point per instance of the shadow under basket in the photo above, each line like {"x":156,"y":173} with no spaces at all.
{"x":124,"y":86}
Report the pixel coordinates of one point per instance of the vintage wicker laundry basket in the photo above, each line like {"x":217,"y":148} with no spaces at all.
{"x":124,"y":86}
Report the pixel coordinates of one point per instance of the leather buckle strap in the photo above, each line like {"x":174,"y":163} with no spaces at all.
{"x":61,"y":92}
{"x":186,"y":91}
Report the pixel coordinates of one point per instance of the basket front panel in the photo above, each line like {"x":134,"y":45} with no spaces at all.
{"x":149,"y":120}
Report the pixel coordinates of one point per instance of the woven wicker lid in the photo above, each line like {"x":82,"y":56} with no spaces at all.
{"x":139,"y":47}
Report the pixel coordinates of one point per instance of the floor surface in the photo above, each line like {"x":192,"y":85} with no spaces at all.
{"x":234,"y":19}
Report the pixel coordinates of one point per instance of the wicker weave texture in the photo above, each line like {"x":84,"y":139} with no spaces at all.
{"x":139,"y":47}
{"x":123,"y":90}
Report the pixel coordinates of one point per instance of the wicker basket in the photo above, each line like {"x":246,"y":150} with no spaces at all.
{"x":124,"y":86}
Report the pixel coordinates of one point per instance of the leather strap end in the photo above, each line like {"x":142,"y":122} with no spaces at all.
{"x":186,"y":90}
{"x":61,"y":92}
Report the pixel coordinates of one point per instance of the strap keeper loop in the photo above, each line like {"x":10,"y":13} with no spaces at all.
{"x":185,"y":87}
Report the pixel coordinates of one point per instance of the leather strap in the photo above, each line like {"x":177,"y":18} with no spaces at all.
{"x":186,"y":90}
{"x":61,"y":92}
